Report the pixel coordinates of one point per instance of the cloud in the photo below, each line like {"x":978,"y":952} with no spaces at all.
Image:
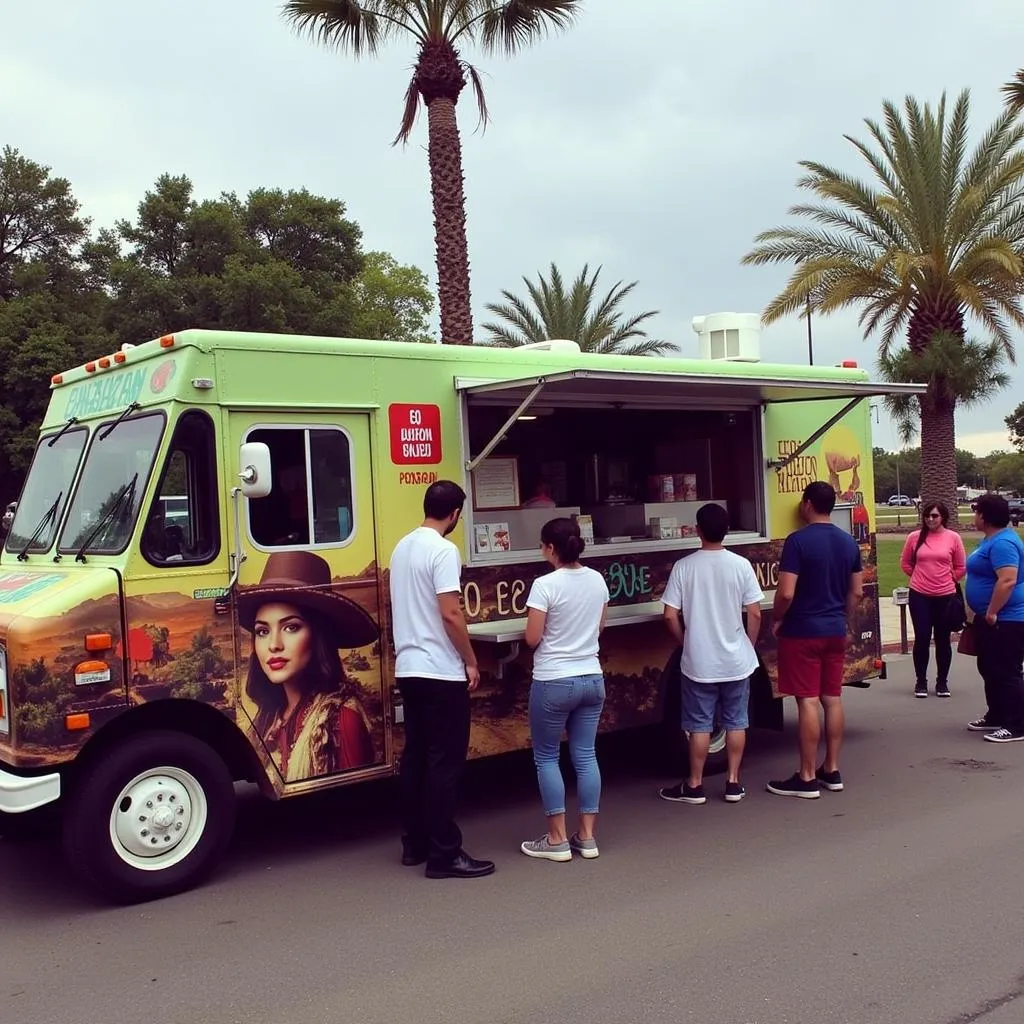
{"x":656,"y":144}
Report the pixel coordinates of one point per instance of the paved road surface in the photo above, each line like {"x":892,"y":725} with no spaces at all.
{"x":896,"y":901}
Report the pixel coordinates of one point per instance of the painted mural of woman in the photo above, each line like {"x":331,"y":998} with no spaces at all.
{"x":309,"y":714}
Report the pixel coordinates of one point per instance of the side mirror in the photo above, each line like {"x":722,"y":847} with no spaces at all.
{"x":254,"y":469}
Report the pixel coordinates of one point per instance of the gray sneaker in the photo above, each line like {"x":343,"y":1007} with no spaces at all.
{"x":584,"y":847}
{"x":545,"y":850}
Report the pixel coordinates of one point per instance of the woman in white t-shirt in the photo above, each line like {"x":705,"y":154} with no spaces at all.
{"x":565,"y":615}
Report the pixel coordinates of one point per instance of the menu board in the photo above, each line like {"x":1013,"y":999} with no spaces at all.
{"x":496,"y":484}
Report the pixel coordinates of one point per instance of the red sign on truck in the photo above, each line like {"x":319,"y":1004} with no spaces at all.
{"x":415,"y":434}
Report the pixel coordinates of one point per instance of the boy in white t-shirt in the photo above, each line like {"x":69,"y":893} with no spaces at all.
{"x":705,"y":598}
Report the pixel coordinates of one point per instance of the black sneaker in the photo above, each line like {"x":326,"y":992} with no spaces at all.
{"x":682,"y":793}
{"x":921,"y":688}
{"x":1004,"y":736}
{"x":795,"y":786}
{"x":982,"y":725}
{"x":832,"y":781}
{"x":734,"y":792}
{"x":942,"y":689}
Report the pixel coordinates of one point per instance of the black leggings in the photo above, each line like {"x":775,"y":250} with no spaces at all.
{"x":930,"y":615}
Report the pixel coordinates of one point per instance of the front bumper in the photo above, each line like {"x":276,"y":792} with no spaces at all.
{"x":20,"y":793}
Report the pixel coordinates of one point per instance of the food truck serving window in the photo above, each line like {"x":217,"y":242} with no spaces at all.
{"x":631,"y":455}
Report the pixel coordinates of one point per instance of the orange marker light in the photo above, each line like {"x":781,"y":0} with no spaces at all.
{"x":879,"y":664}
{"x":119,"y":357}
{"x":77,"y":722}
{"x":167,"y":341}
{"x":105,"y":362}
{"x":98,"y":642}
{"x":90,"y":367}
{"x":849,"y":364}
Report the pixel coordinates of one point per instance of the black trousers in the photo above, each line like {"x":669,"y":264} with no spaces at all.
{"x":1001,"y":666}
{"x":929,"y":616}
{"x":436,"y":743}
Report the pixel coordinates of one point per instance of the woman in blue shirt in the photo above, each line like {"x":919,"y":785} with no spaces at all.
{"x":995,"y":593}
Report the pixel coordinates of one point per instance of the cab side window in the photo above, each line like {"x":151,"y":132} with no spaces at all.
{"x":310,"y":503}
{"x":183,"y":523}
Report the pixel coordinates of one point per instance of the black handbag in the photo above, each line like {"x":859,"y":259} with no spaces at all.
{"x":956,"y":613}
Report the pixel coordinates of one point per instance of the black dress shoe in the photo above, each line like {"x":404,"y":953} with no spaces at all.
{"x":460,"y":866}
{"x":412,"y":854}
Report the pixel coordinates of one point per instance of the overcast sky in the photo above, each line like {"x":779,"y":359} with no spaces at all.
{"x":655,"y":139}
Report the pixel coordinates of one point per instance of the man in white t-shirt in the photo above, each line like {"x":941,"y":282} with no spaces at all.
{"x":705,"y":598}
{"x":436,"y":669}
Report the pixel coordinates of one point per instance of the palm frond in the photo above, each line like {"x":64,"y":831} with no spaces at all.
{"x":551,"y":310}
{"x":936,"y":226}
{"x":1014,"y":93}
{"x":342,"y":24}
{"x":410,"y":109}
{"x":515,"y":24}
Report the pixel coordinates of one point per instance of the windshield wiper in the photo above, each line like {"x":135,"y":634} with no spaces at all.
{"x":50,"y":513}
{"x":63,"y":430}
{"x":127,"y":491}
{"x":120,"y":419}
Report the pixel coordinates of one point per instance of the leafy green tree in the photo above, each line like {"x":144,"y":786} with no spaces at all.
{"x":277,"y":261}
{"x":596,"y":323}
{"x":392,"y":302}
{"x":52,"y":305}
{"x":438,"y":28}
{"x":935,"y":237}
{"x":1015,"y":424}
{"x":40,"y":218}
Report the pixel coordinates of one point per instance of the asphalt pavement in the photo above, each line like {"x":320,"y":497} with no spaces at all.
{"x":898,"y":900}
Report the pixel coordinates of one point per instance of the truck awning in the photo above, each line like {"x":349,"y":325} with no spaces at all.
{"x":640,"y":387}
{"x":649,"y":389}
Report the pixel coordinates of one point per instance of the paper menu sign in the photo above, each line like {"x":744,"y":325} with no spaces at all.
{"x":586,"y":525}
{"x":491,"y":537}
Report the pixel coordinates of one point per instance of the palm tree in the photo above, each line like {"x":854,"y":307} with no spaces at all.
{"x":438,"y":27}
{"x":1014,"y":93}
{"x":937,"y":236}
{"x":961,"y":373}
{"x":596,"y":325}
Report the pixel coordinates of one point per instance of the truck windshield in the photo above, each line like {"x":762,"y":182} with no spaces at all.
{"x":47,"y":490}
{"x":112,"y":485}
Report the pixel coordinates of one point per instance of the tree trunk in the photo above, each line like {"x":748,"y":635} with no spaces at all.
{"x":938,"y":449}
{"x":445,"y":153}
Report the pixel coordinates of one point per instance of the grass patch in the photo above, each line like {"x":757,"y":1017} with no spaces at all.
{"x":890,"y":546}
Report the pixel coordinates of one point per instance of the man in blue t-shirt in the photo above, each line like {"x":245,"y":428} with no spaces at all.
{"x":995,"y":593}
{"x":820,"y":582}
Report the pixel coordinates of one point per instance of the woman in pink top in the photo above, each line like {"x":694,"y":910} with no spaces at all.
{"x":935,"y":560}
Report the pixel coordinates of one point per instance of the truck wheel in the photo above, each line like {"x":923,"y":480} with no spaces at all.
{"x":150,"y":818}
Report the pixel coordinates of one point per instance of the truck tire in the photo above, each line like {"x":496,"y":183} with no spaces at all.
{"x":150,"y":817}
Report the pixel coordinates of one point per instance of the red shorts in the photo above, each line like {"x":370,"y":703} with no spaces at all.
{"x":811,"y":666}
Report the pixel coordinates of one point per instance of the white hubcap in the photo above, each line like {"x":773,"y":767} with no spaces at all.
{"x":717,"y":742}
{"x":158,"y":819}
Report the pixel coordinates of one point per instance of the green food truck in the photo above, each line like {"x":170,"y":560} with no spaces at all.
{"x":186,"y":491}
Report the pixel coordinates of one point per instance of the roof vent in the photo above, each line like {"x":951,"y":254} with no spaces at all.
{"x":551,"y":345}
{"x":733,"y":337}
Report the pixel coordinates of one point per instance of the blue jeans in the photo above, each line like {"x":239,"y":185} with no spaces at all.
{"x":571,"y":705}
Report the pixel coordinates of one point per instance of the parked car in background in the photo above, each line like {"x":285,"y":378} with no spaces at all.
{"x":8,"y":517}
{"x":1016,"y":510}
{"x":900,"y":499}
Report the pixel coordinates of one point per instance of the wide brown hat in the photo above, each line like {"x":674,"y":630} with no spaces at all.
{"x":304,"y":580}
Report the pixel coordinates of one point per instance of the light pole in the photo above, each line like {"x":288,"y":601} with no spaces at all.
{"x":899,"y":493}
{"x":810,"y":340}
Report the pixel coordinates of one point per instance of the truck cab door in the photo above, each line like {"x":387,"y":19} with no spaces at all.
{"x":307,"y":602}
